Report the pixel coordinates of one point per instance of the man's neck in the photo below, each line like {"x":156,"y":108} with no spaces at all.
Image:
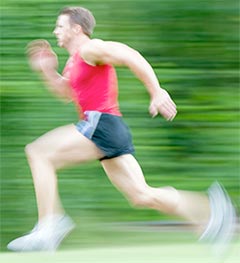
{"x":77,"y":43}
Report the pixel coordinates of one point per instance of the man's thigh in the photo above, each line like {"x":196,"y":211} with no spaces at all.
{"x":66,"y":146}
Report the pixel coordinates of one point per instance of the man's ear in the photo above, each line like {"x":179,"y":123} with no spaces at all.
{"x":77,"y":29}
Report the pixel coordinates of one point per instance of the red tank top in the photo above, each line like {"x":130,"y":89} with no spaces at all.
{"x":95,"y":88}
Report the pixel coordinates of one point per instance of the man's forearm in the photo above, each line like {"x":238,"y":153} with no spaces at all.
{"x":56,"y":83}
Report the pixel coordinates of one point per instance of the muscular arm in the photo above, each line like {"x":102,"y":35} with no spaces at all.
{"x":104,"y":52}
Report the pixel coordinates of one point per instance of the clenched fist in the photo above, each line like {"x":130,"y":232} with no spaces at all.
{"x":41,"y":56}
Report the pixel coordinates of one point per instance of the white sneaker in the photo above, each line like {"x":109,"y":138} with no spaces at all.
{"x":45,"y":236}
{"x":222,"y":224}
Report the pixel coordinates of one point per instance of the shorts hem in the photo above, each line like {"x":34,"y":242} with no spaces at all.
{"x":116,"y":155}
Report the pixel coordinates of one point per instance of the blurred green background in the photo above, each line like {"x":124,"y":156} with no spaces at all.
{"x":193,"y":47}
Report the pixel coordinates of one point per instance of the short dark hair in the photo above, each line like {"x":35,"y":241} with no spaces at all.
{"x":82,"y":17}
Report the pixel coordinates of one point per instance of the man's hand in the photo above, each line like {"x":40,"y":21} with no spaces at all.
{"x":41,"y":56}
{"x":43,"y":59}
{"x":162,"y":103}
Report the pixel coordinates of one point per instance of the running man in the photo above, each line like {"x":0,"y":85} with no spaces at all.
{"x":89,"y":80}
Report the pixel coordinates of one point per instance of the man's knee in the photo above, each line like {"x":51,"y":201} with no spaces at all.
{"x":30,"y":149}
{"x":36,"y":152}
{"x":33,"y":150}
{"x":141,"y":198}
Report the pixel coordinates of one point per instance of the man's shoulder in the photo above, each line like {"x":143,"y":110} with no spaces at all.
{"x":92,"y":45}
{"x":90,"y":50}
{"x":95,"y":42}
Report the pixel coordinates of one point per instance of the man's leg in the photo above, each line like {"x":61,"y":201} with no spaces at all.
{"x":125,"y":173}
{"x":214,"y":215}
{"x":56,"y":149}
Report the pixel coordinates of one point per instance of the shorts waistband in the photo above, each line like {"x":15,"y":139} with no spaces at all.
{"x":88,"y":126}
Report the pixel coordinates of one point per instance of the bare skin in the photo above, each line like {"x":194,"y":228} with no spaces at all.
{"x":65,"y":146}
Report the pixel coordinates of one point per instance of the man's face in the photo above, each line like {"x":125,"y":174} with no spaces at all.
{"x":63,"y":31}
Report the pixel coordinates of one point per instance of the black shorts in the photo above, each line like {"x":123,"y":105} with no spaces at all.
{"x":111,"y":135}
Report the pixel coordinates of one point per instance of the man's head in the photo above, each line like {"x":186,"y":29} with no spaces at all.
{"x":82,"y":17}
{"x":73,"y":22}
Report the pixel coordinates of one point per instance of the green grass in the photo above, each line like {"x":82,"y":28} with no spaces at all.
{"x":147,"y":253}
